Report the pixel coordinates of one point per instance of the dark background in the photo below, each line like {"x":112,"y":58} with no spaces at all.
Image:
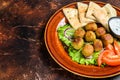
{"x":23,"y":54}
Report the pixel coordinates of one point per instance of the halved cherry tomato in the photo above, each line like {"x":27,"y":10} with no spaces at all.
{"x":111,"y":59}
{"x":111,"y":62}
{"x":100,"y":59}
{"x":103,"y":54}
{"x":116,"y":47}
{"x":111,"y":55}
{"x":110,"y":47}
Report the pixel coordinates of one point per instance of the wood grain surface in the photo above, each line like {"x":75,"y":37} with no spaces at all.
{"x":23,"y":54}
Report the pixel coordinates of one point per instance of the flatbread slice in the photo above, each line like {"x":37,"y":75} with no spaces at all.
{"x":102,"y":18}
{"x":72,"y":16}
{"x":82,"y":8}
{"x":110,"y":10}
{"x":91,"y":8}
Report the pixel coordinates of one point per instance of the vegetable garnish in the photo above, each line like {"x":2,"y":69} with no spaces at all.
{"x":68,"y":33}
{"x":117,"y":47}
{"x":64,"y":34}
{"x":111,"y":55}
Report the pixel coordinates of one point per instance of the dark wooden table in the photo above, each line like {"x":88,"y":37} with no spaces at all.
{"x":23,"y":54}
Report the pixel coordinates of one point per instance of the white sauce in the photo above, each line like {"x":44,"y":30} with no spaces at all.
{"x":115,"y":25}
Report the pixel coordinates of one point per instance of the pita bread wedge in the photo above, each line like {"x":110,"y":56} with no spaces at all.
{"x":82,"y":8}
{"x":72,"y":16}
{"x":91,"y":8}
{"x":102,"y":18}
{"x":110,"y":10}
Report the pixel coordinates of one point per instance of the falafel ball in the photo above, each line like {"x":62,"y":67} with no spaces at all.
{"x":80,"y":32}
{"x":98,"y":45}
{"x":91,"y":26}
{"x":87,"y":50}
{"x":107,"y":39}
{"x":90,"y":36}
{"x":100,"y":31}
{"x":78,"y":43}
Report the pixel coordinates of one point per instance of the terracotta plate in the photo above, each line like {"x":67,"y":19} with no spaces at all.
{"x":58,"y":53}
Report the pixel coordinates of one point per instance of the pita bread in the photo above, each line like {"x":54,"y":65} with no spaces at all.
{"x":102,"y":18}
{"x":72,"y":16}
{"x":91,"y":8}
{"x":110,"y":10}
{"x":82,"y":8}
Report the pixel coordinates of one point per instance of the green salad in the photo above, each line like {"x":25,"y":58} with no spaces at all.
{"x":66,"y":35}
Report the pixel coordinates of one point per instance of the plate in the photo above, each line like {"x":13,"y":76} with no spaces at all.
{"x":58,"y":53}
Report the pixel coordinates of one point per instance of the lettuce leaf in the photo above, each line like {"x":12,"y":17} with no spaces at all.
{"x":74,"y":54}
{"x":61,"y":34}
{"x":77,"y":56}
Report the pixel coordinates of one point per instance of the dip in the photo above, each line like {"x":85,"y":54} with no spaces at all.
{"x":114,"y":25}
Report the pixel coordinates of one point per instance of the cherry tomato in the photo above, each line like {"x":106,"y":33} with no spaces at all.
{"x":111,"y":59}
{"x":111,"y":55}
{"x":110,"y":47}
{"x":100,"y":59}
{"x":116,"y":47}
{"x":103,"y":54}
